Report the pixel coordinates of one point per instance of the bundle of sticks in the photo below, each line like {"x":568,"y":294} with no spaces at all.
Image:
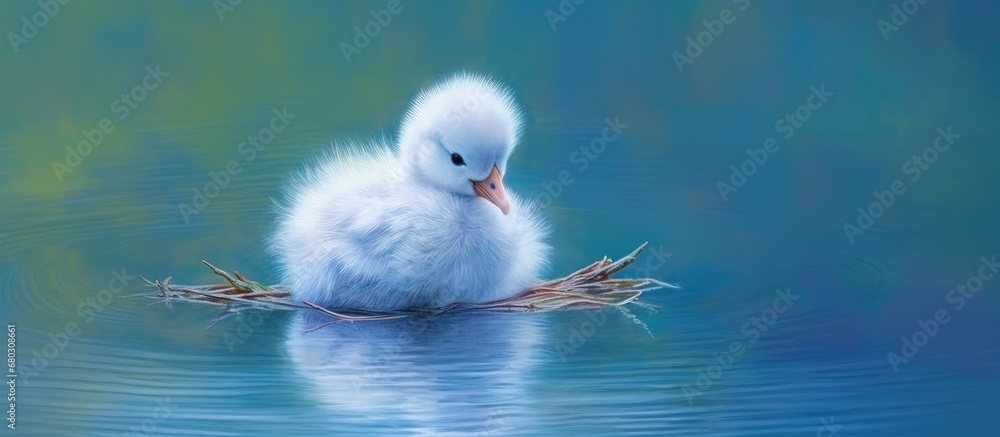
{"x":591,"y":286}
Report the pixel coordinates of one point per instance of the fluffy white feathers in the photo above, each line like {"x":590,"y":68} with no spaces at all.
{"x":371,"y":226}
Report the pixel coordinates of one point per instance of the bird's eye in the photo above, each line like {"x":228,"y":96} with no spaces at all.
{"x":457,"y":159}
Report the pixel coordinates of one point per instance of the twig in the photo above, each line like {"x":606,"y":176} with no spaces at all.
{"x":591,"y":286}
{"x":164,"y":290}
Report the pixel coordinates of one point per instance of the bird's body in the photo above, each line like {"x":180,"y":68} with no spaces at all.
{"x":377,"y":227}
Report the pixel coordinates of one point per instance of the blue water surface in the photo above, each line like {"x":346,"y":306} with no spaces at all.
{"x":818,"y":177}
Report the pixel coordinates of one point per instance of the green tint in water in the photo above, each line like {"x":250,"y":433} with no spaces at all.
{"x":107,"y":363}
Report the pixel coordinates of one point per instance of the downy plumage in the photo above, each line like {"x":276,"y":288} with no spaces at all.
{"x":420,"y":224}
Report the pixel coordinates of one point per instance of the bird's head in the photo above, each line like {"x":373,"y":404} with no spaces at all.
{"x":458,"y":134}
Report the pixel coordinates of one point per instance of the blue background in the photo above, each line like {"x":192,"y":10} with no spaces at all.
{"x":822,"y":360}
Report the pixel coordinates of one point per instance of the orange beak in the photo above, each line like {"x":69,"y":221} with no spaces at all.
{"x":491,"y":189}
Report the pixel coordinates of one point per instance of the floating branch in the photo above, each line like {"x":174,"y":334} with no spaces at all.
{"x":592,"y":286}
